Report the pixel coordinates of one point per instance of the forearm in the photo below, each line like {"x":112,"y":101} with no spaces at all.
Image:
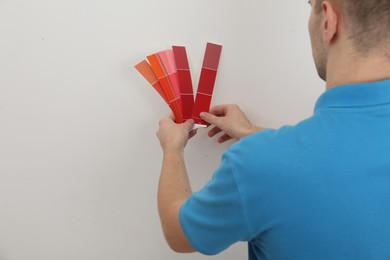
{"x":174,"y":189}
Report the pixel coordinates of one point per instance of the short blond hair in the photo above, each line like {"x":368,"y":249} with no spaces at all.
{"x":367,"y":21}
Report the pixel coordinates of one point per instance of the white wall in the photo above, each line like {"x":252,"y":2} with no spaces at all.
{"x":79,"y":161}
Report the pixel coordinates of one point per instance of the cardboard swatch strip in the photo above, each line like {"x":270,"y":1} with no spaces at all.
{"x":185,"y":81}
{"x":207,"y":81}
{"x":169,"y":74}
{"x":146,"y":70}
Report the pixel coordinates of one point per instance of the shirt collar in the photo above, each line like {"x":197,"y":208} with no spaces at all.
{"x":355,"y":95}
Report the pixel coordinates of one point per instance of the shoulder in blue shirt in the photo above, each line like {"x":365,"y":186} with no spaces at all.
{"x":317,"y":190}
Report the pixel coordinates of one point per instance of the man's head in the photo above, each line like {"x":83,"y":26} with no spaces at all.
{"x":362,"y":25}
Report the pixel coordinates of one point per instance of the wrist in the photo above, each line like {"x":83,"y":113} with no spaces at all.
{"x":252,"y":129}
{"x":257,"y":129}
{"x":173,"y":150}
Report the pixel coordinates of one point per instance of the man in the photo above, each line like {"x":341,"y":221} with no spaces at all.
{"x":317,"y":190}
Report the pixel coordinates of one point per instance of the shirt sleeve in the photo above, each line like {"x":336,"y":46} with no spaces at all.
{"x":214,"y":218}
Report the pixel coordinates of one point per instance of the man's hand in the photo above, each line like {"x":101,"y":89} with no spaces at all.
{"x":172,"y":136}
{"x":231,"y":120}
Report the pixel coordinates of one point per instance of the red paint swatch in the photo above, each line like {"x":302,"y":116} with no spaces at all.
{"x":169,"y":74}
{"x":207,"y":81}
{"x":202,"y":105}
{"x":185,"y":81}
{"x":163,"y":77}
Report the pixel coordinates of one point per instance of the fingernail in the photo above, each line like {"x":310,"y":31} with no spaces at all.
{"x":203,"y":114}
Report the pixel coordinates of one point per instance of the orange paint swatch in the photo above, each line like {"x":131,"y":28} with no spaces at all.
{"x":147,"y":72}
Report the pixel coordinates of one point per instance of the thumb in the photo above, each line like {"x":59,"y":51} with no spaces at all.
{"x":209,"y":118}
{"x":189,"y":124}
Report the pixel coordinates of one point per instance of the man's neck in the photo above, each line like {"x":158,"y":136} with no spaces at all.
{"x":347,"y":68}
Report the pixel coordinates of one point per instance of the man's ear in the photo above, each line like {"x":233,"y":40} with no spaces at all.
{"x":330,"y":23}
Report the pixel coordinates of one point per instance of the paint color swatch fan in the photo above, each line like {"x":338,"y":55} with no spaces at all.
{"x":169,"y":74}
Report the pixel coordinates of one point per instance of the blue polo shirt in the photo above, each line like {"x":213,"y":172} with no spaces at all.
{"x":317,"y":190}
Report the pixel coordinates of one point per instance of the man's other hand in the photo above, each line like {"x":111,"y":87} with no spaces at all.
{"x":230,"y":120}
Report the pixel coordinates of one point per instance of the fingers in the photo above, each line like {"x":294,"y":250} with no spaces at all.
{"x":224,"y":138}
{"x":214,"y":131}
{"x":209,"y":118}
{"x":218,"y":109}
{"x":189,"y":124}
{"x":192,"y":133}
